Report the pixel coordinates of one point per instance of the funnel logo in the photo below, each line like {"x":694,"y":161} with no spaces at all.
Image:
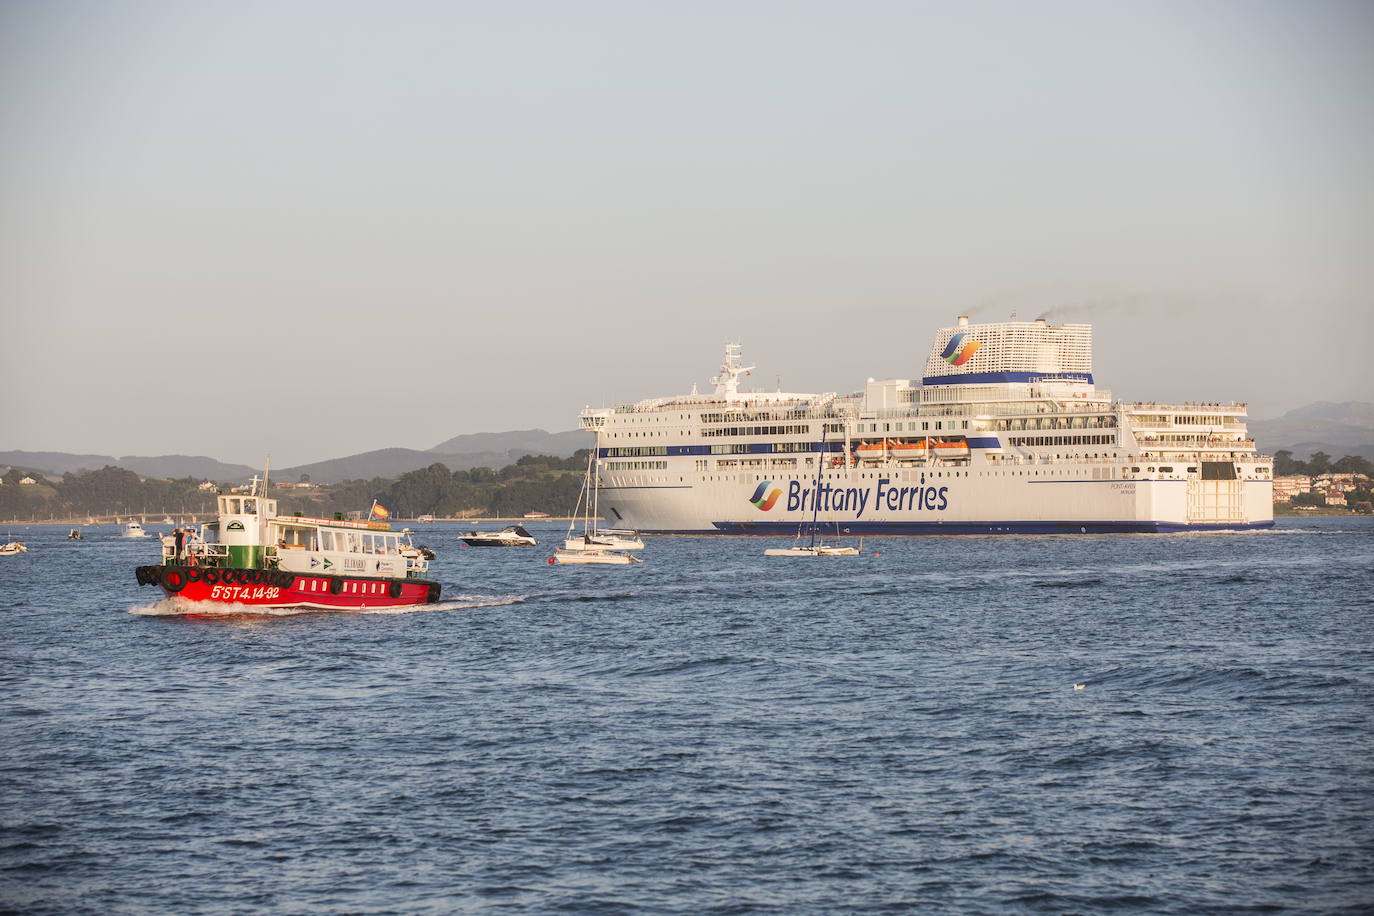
{"x":762,"y":502}
{"x":955,"y":356}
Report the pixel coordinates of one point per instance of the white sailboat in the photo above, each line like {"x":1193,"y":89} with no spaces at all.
{"x":815,"y":548}
{"x":591,"y":537}
{"x":593,"y":546}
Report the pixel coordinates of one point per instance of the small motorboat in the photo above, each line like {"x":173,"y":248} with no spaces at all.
{"x":75,"y":535}
{"x":511,"y":536}
{"x":12,"y":548}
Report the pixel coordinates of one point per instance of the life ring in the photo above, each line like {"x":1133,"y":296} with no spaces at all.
{"x":335,"y":586}
{"x":395,"y":588}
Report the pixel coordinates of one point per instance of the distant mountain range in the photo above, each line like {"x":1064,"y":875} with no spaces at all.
{"x":493,"y":450}
{"x":165,"y":466}
{"x":1337,"y":429}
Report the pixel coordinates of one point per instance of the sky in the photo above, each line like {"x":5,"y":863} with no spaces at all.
{"x":311,"y":228}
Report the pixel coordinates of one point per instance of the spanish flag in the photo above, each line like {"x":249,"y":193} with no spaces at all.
{"x":379,"y":511}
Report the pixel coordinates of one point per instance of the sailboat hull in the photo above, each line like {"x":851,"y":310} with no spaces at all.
{"x":820,"y":550}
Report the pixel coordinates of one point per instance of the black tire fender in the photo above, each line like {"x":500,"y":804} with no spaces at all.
{"x":395,"y":588}
{"x":210,"y":576}
{"x":335,"y":586}
{"x":173,"y":580}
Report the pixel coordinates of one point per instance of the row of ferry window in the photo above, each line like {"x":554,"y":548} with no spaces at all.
{"x":800,"y":429}
{"x":637,"y":465}
{"x":925,"y":426}
{"x":766,"y":415}
{"x":1098,"y":422}
{"x":1062,"y":440}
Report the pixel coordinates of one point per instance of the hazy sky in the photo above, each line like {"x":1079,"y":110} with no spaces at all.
{"x":316,"y":228}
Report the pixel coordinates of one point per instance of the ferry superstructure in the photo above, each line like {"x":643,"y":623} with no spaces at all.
{"x":1006,"y":433}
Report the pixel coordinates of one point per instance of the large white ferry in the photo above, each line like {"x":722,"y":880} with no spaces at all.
{"x":1005,"y":434}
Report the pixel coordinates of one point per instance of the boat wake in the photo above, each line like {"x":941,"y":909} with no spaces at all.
{"x":179,"y":607}
{"x":456,"y":603}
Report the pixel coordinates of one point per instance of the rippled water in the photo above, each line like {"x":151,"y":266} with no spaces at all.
{"x":712,"y":731}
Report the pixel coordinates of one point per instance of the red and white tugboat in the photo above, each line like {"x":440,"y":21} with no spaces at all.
{"x":253,"y":556}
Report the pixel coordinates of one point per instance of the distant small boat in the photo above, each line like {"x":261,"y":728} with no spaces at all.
{"x":536,"y":515}
{"x":595,"y":546}
{"x":814,"y":548}
{"x":809,"y":550}
{"x":425,"y":518}
{"x":134,"y":530}
{"x":75,"y":535}
{"x":512,"y":536}
{"x":604,"y":539}
{"x":594,"y":557}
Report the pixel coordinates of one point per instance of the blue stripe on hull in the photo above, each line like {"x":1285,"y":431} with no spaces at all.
{"x":1059,"y":527}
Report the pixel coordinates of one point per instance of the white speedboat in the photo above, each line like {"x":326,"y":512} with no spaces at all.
{"x":511,"y":536}
{"x":134,"y":530}
{"x":12,"y":548}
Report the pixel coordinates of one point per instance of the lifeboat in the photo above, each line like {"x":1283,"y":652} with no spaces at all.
{"x":913,"y":449}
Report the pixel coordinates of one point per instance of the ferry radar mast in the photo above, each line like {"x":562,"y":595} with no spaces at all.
{"x":727,"y":383}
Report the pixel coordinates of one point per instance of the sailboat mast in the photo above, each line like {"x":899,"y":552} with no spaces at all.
{"x":594,"y":480}
{"x":816,"y":490}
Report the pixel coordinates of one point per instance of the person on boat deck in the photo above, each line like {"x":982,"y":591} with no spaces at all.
{"x":179,"y":541}
{"x":191,"y":546}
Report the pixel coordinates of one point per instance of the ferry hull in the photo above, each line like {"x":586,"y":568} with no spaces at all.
{"x":278,"y":589}
{"x":978,"y":501}
{"x":1005,"y":527}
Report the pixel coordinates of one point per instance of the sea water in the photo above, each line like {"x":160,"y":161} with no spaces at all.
{"x":712,"y":731}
